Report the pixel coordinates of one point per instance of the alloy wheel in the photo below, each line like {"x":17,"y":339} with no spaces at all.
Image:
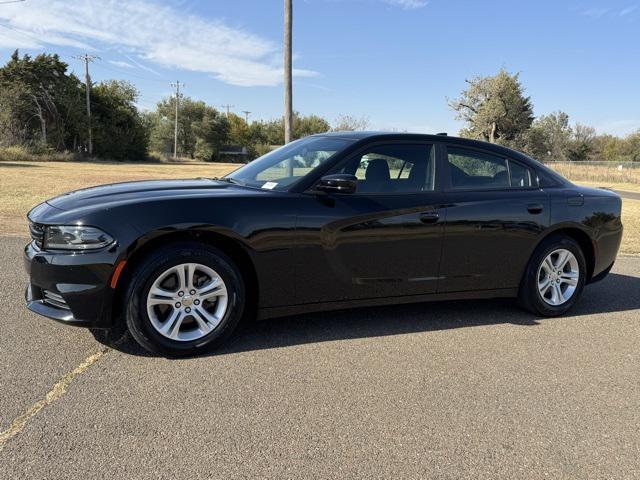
{"x":558,"y":277}
{"x":187,"y":302}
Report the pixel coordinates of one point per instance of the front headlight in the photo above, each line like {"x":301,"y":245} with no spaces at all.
{"x":75,"y":237}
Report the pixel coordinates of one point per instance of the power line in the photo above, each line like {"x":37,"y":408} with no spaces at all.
{"x":87,"y":81}
{"x":11,"y":1}
{"x":127,"y":73}
{"x":21,"y":32}
{"x":227,"y":107}
{"x":176,"y":85}
{"x":246,"y":115}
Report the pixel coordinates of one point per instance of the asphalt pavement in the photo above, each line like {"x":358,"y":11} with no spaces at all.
{"x":451,"y":390}
{"x":629,"y":195}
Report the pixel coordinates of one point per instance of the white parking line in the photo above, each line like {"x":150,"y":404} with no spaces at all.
{"x":54,"y":394}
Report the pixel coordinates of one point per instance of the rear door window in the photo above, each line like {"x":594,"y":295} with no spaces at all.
{"x":472,"y":169}
{"x":476,"y":170}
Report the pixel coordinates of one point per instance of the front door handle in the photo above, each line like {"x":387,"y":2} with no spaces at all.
{"x":429,"y":217}
{"x":535,"y":208}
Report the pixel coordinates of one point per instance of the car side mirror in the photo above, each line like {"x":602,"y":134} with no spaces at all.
{"x":338,"y":183}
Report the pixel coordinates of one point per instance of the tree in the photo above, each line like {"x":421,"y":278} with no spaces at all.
{"x":495,"y":109}
{"x":15,"y":126}
{"x":349,"y":123}
{"x":272,"y":132}
{"x":211,"y":132}
{"x":239,"y":131}
{"x":582,"y":143}
{"x":549,"y":137}
{"x":39,"y":102}
{"x":119,"y":132}
{"x":632,"y":147}
{"x":202,"y":130}
{"x":309,"y":125}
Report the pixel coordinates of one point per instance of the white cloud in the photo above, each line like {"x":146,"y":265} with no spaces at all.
{"x":408,"y":4}
{"x":119,"y":63}
{"x":626,"y":11}
{"x":596,"y":12}
{"x":158,"y":34}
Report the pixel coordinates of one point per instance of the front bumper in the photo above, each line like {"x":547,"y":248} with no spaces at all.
{"x":70,"y":287}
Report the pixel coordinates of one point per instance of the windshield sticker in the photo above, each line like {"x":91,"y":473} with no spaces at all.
{"x":270,"y":185}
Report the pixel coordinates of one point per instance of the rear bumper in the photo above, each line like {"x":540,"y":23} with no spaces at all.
{"x":606,"y":250}
{"x":72,"y":288}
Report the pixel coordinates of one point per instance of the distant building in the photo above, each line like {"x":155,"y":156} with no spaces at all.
{"x":233,"y":154}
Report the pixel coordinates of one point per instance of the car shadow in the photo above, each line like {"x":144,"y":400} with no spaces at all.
{"x":17,"y":164}
{"x":616,"y":293}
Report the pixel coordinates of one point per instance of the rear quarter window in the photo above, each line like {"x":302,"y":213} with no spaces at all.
{"x":520,"y":176}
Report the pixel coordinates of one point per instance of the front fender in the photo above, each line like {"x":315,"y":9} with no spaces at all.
{"x":260,"y":231}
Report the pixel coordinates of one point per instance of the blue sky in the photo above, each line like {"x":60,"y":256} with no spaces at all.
{"x":393,"y":61}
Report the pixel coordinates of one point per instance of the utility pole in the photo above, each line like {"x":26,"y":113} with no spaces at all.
{"x":227,"y":107}
{"x":288,"y":93}
{"x":176,"y":85}
{"x":87,"y":82}
{"x":246,"y":116}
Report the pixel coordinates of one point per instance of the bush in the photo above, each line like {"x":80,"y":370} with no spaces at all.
{"x":18,"y":153}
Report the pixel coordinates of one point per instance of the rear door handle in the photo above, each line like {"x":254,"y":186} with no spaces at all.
{"x":429,"y":217}
{"x":535,"y":208}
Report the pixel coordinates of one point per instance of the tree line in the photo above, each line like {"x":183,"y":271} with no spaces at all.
{"x":495,"y":109}
{"x":42,"y":109}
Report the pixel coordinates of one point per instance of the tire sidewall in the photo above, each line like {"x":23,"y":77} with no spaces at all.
{"x":533,"y":298}
{"x":136,"y":313}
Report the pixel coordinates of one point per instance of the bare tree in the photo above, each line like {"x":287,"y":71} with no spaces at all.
{"x":349,"y":123}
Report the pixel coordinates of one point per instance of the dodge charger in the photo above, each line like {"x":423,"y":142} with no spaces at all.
{"x":330,"y":221}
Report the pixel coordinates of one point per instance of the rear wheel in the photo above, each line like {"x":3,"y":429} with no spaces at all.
{"x":184,"y":299}
{"x":554,"y":278}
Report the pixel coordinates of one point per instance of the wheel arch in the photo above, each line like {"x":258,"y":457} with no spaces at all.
{"x":582,"y":238}
{"x":143,"y":246}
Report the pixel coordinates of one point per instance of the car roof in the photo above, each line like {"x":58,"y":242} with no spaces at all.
{"x":440,"y":137}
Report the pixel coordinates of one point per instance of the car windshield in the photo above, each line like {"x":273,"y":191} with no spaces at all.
{"x":280,"y":169}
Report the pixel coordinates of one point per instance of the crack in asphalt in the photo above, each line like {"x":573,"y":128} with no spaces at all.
{"x":58,"y":390}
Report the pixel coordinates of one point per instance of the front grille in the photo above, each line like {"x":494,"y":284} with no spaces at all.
{"x":54,"y":299}
{"x":37,"y":233}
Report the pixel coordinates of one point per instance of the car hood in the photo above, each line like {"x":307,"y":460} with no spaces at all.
{"x":131,"y":192}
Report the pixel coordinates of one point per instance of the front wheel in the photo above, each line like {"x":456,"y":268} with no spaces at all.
{"x":184,"y":299}
{"x":554,"y":278}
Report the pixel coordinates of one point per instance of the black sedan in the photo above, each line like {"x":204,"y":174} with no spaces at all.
{"x":327,"y":222}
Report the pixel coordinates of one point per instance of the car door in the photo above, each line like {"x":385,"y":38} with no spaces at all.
{"x":385,"y":239}
{"x":495,"y":214}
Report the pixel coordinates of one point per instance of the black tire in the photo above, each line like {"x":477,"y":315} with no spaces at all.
{"x":529,"y":296}
{"x":137,"y":318}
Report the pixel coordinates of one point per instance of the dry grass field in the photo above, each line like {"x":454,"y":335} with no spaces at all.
{"x":631,"y":221}
{"x":601,"y":173}
{"x":25,"y":184}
